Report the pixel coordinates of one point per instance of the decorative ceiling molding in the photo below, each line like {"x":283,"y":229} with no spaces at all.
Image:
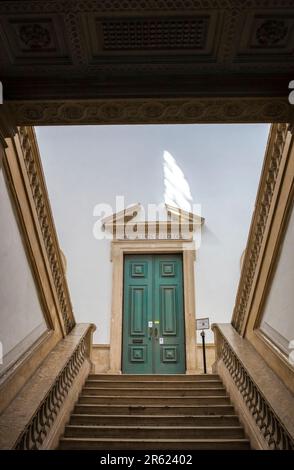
{"x":131,"y":5}
{"x":91,"y":49}
{"x":42,"y":205}
{"x":259,"y":223}
{"x":152,"y":111}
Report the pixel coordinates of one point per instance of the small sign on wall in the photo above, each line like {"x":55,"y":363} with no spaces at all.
{"x":202,"y":324}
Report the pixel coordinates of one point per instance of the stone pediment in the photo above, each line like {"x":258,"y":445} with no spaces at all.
{"x":134,"y":223}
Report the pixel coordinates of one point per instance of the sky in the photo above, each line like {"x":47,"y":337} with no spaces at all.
{"x":215,"y":166}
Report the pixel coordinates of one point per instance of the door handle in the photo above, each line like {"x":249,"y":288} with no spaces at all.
{"x":150,"y":329}
{"x":156,"y":333}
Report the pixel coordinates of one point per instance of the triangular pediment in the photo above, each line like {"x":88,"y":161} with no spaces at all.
{"x":121,"y":217}
{"x":176,"y":213}
{"x":133,"y":223}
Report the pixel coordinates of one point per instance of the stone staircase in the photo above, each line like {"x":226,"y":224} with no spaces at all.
{"x":154,"y":412}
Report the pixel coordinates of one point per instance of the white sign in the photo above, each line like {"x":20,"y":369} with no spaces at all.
{"x":161,"y":341}
{"x":202,"y":324}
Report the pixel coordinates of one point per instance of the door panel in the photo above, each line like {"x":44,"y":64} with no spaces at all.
{"x":169,"y":348}
{"x":153,"y":319}
{"x":137,"y":347}
{"x":138,"y":309}
{"x":168,"y":309}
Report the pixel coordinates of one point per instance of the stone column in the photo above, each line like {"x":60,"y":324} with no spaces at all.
{"x":190,"y":323}
{"x":116,"y":311}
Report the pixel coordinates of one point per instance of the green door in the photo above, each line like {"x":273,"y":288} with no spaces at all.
{"x":153,"y":319}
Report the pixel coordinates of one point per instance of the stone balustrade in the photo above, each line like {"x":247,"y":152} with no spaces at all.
{"x":266,"y":405}
{"x":35,"y":419}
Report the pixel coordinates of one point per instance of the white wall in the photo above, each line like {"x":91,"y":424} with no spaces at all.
{"x":88,"y":165}
{"x":278,"y":316}
{"x":21,"y":318}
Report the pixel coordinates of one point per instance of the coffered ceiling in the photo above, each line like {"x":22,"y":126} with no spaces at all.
{"x":85,"y":49}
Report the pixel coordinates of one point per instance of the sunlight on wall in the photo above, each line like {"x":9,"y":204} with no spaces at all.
{"x":177,"y":190}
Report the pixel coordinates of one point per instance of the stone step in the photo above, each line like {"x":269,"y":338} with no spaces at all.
{"x":154,"y":420}
{"x":156,"y":384}
{"x":153,"y":377}
{"x":158,"y":432}
{"x":153,"y":444}
{"x":154,"y":412}
{"x":149,"y":400}
{"x":152,"y":392}
{"x":180,"y":409}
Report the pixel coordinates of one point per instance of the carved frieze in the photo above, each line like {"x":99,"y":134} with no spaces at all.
{"x":131,"y":5}
{"x":259,"y":224}
{"x":152,"y":111}
{"x":47,"y":226}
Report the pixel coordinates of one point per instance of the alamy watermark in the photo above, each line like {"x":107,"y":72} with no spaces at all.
{"x":154,"y":221}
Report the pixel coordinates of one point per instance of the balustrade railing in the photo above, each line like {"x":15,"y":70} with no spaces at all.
{"x":268,"y":422}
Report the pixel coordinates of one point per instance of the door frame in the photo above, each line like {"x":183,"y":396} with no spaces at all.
{"x":119,"y":248}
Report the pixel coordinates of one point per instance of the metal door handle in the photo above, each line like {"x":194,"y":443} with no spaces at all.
{"x":156,"y":333}
{"x":150,"y":331}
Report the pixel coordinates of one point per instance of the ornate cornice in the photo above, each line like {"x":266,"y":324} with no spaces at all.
{"x":42,"y":206}
{"x":270,"y":426}
{"x":153,"y":111}
{"x":137,"y":5}
{"x":259,"y":222}
{"x":41,"y":422}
